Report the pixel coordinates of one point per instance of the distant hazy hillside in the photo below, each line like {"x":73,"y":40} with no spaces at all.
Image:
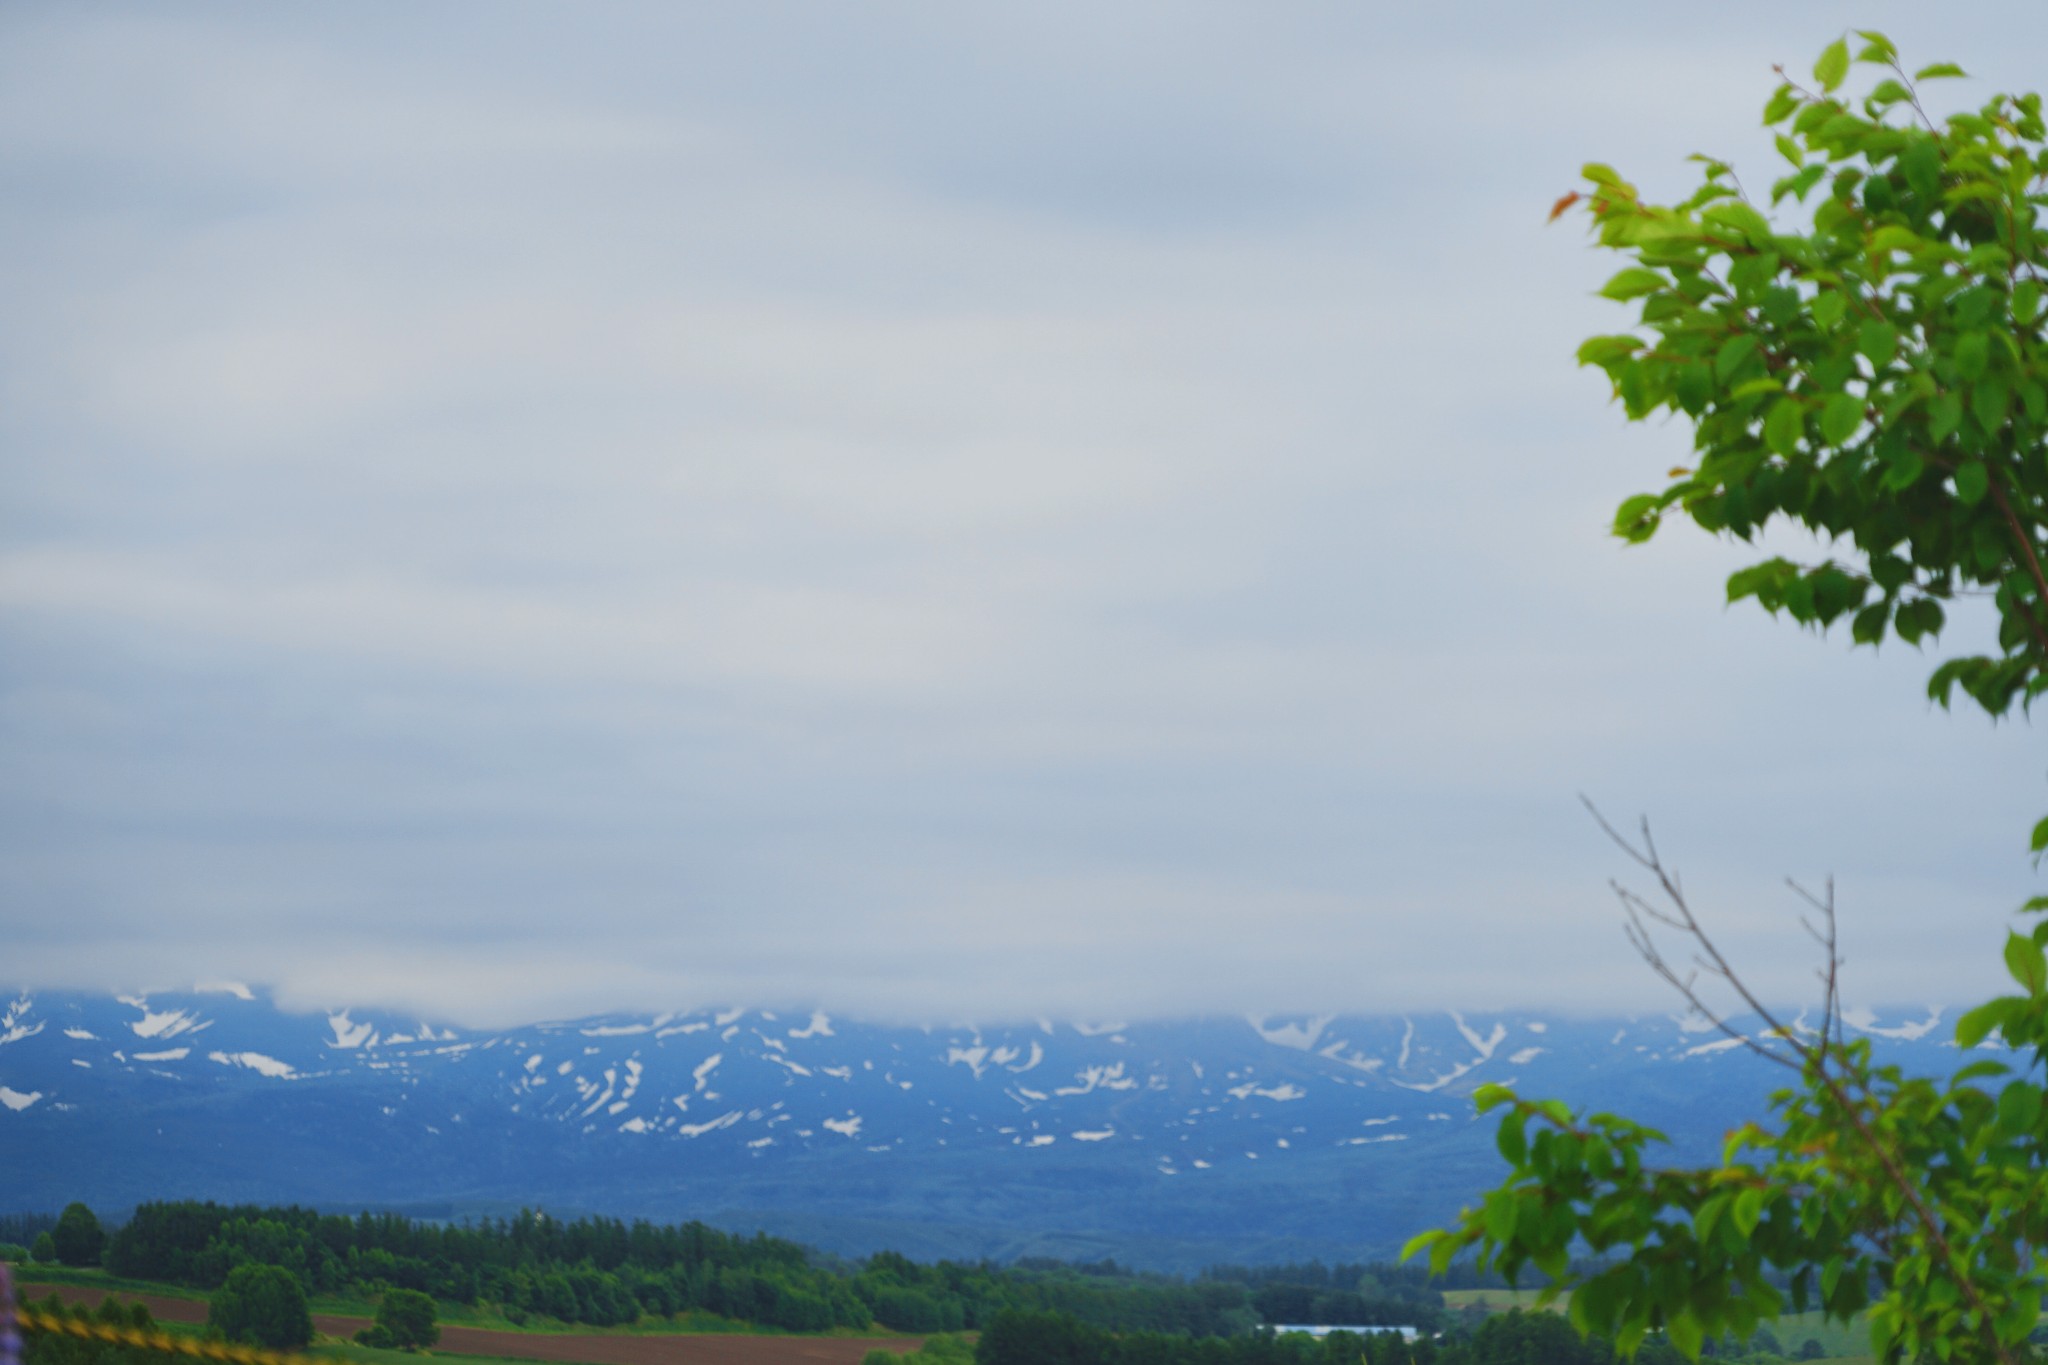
{"x":1169,"y":1143}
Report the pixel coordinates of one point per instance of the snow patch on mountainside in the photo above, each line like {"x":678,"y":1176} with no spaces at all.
{"x":162,"y":1023}
{"x":1718,"y":1045}
{"x":349,"y":1034}
{"x":254,"y":1061}
{"x":1864,"y":1021}
{"x":1098,"y":1078}
{"x":17,"y":1101}
{"x":726,"y":1120}
{"x":1353,"y":1058}
{"x":1299,"y":1036}
{"x":1483,"y":1046}
{"x":1003,"y":1056}
{"x":1285,"y":1091}
{"x":169,"y":1054}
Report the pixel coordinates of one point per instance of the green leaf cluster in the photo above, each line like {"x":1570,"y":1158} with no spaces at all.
{"x":1862,"y":356}
{"x":1922,"y":1203}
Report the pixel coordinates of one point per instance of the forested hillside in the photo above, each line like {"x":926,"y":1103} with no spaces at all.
{"x":604,"y":1272}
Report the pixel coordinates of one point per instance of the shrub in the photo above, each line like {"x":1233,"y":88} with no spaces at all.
{"x":263,"y":1304}
{"x":407,"y":1317}
{"x":78,"y":1239}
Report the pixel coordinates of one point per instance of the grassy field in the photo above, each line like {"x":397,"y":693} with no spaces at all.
{"x":29,"y":1276}
{"x":365,"y":1355}
{"x":1498,"y":1300}
{"x":35,"y":1280}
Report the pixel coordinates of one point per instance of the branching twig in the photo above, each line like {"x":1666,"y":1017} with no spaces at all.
{"x":1676,"y":915}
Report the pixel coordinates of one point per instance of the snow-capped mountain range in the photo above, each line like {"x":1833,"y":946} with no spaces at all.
{"x":1174,"y":1143}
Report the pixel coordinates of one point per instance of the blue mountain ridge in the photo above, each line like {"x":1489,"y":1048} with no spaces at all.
{"x":1170,"y":1144}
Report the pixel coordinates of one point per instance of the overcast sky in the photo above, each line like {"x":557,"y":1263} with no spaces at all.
{"x":933,"y":511}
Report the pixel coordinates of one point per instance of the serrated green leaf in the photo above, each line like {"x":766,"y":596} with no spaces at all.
{"x":2026,"y":302}
{"x":1740,"y":216}
{"x":1971,"y":354}
{"x":1878,"y":341}
{"x":1944,"y":415}
{"x":2019,"y":1107}
{"x":1973,"y":481}
{"x":1989,"y":401}
{"x":1502,"y":1212}
{"x":1731,"y":354}
{"x":1903,"y":470}
{"x":1939,"y":71}
{"x":1441,"y":1255}
{"x":1421,"y":1240}
{"x":2025,"y":961}
{"x":1840,"y":417}
{"x":1633,"y":283}
{"x":1686,"y":1333}
{"x":1605,"y":350}
{"x":1493,"y":1095}
{"x":1513,"y":1138}
{"x":1833,"y":65}
{"x":1747,"y":1210}
{"x":1784,"y":425}
{"x":1983,"y":1070}
{"x":1694,"y":386}
{"x":1635,"y":521}
{"x":2019,"y":1317}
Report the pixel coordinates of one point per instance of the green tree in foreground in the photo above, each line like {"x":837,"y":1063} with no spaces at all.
{"x":405,"y":1320}
{"x":1870,"y":366}
{"x":44,"y":1250}
{"x":78,"y":1237}
{"x":263,"y":1304}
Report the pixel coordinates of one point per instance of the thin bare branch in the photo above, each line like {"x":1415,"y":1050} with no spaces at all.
{"x":1676,"y":915}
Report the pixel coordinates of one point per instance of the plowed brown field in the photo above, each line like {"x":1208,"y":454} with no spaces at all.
{"x":574,"y":1349}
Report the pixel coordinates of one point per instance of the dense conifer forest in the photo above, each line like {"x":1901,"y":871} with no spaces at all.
{"x":605,"y":1272}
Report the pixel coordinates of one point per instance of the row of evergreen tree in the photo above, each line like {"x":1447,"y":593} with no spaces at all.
{"x":603,"y":1271}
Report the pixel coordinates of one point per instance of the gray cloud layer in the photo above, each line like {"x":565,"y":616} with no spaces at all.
{"x":930,"y":512}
